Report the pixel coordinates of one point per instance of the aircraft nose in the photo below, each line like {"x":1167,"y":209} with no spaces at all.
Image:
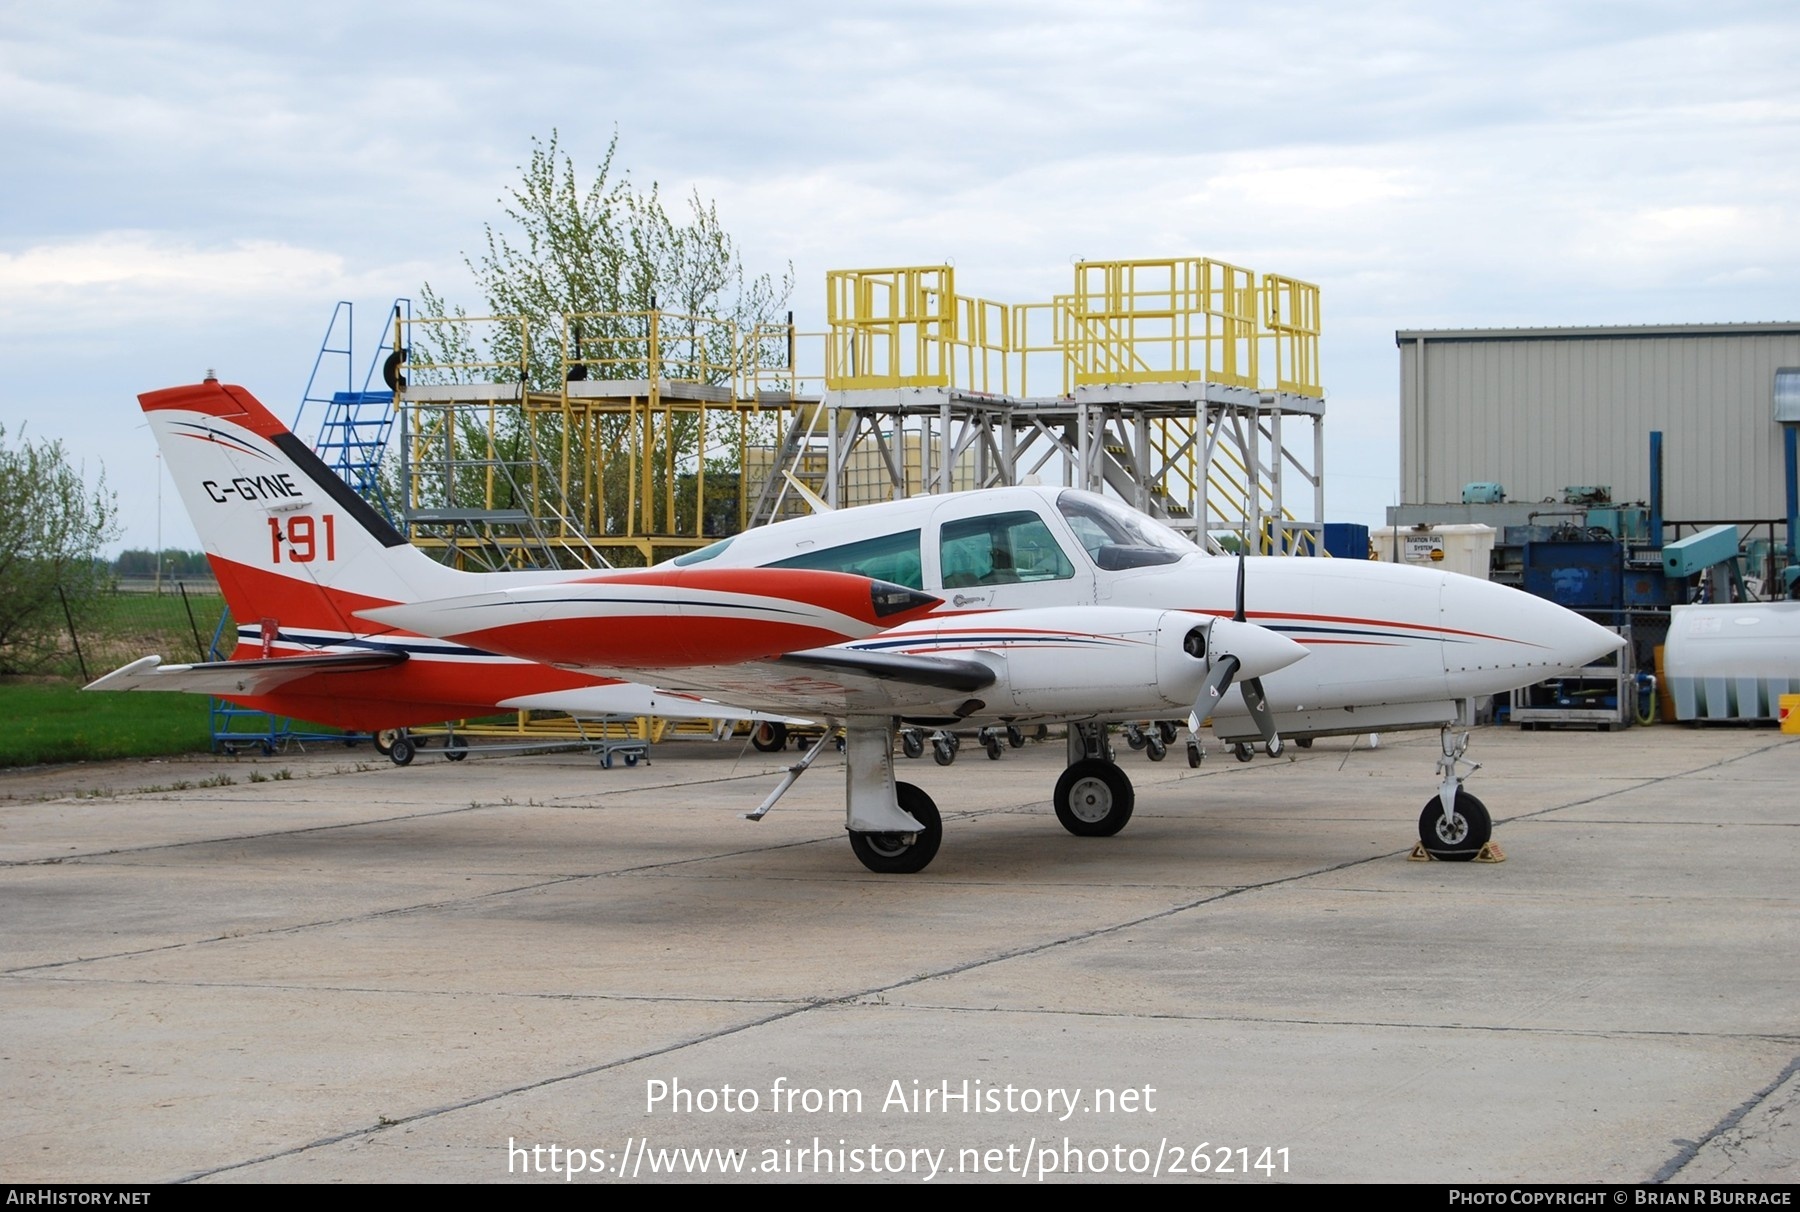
{"x":1259,"y":651}
{"x":1574,"y":640}
{"x":1496,"y":627}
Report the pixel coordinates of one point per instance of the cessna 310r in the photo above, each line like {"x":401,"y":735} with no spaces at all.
{"x":1001,"y":607}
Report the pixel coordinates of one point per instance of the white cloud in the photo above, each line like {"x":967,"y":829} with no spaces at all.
{"x":118,"y":277}
{"x":142,"y":261}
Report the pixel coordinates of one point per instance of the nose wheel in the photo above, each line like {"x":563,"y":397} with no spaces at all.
{"x":1458,"y":836}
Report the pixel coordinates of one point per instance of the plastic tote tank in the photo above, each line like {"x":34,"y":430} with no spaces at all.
{"x":1465,"y":547}
{"x":1733,"y":662}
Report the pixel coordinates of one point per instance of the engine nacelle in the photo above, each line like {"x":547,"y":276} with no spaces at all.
{"x":1117,"y":661}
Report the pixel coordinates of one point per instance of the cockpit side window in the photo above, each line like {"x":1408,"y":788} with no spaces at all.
{"x":1000,"y":549}
{"x":1118,"y":538}
{"x":892,"y":557}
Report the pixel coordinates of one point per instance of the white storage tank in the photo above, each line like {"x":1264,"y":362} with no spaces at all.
{"x":1464,"y":547}
{"x":1733,"y":662}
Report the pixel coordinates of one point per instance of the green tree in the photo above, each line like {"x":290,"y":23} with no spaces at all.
{"x":52,"y":526}
{"x":137,"y":562}
{"x":583,"y":264}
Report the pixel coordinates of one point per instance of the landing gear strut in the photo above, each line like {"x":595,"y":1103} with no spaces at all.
{"x":1455,"y":825}
{"x":894,"y":828}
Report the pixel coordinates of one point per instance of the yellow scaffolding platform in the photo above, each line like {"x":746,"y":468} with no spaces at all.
{"x":1186,"y":386}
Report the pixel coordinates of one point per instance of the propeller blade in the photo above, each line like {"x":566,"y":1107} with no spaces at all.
{"x":1249,"y":650}
{"x":1258,"y":703}
{"x":1238,"y":614}
{"x":1218,"y":681}
{"x":1254,"y":698}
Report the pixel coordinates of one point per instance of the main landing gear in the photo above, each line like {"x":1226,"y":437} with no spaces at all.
{"x":894,"y":827}
{"x":902,"y":853}
{"x":1094,"y":797}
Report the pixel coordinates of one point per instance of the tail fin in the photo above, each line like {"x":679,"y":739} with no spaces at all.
{"x":291,"y":543}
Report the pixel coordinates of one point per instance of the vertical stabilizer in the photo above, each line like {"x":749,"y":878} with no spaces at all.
{"x":290,"y":542}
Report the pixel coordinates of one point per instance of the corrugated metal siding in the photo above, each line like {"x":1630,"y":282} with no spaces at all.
{"x":1538,"y":413}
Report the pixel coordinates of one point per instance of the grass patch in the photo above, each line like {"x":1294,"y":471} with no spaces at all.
{"x":56,"y":722}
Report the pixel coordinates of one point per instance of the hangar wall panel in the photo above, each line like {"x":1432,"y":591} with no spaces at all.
{"x":1540,"y":409}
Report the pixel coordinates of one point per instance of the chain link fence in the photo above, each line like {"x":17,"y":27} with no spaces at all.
{"x":122,"y":624}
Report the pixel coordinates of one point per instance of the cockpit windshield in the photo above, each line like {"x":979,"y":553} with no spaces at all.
{"x":1116,"y":537}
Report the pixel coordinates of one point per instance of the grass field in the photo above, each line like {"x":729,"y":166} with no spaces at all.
{"x":49,"y":721}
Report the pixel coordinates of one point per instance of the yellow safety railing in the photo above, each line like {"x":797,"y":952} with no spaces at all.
{"x":1291,"y":315}
{"x":655,"y":345}
{"x":1161,"y":321}
{"x":979,"y":355}
{"x":890,"y":327}
{"x":464,"y":349}
{"x":1184,"y":319}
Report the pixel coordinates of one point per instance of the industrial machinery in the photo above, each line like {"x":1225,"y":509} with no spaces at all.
{"x":1610,"y":561}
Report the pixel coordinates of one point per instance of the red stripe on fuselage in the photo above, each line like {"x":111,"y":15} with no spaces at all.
{"x":648,"y":641}
{"x":1352,"y":621}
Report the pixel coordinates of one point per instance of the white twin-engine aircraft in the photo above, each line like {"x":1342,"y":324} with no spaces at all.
{"x":999,"y":608}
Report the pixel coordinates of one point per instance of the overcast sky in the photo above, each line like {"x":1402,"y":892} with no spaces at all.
{"x":194,"y":185}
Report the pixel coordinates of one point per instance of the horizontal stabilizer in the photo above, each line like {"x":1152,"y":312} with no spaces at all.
{"x":227,"y":678}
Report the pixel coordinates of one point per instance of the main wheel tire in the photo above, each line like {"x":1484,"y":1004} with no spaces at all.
{"x":1094,"y":798}
{"x":769,"y":737}
{"x":401,"y":751}
{"x":893,"y":853}
{"x":1459,"y":837}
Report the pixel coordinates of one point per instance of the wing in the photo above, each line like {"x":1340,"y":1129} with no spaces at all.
{"x":840,"y":682}
{"x":635,"y":699}
{"x":226,"y":678}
